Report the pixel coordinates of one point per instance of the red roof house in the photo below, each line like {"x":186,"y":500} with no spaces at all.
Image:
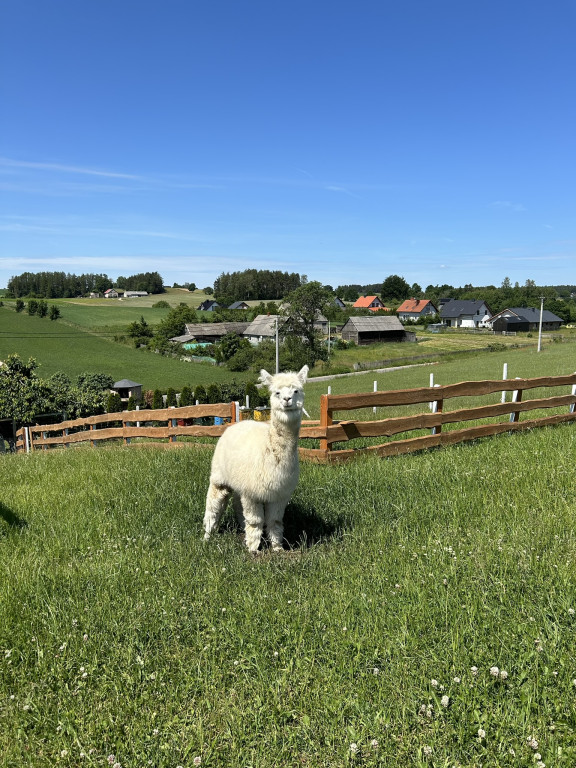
{"x":373,"y":303}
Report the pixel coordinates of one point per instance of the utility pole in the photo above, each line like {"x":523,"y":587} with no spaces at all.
{"x":277,"y":353}
{"x":540,"y":324}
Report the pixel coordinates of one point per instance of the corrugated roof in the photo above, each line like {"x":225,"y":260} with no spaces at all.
{"x":532,"y":314}
{"x":383,"y":323}
{"x":263,"y":325}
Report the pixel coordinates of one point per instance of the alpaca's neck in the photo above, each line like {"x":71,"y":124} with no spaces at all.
{"x":284,"y":434}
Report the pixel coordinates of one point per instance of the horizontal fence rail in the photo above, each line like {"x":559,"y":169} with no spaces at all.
{"x":162,"y":424}
{"x":209,"y":421}
{"x":329,"y":432}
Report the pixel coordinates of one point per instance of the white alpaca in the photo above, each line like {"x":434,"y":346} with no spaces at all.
{"x":257,"y":462}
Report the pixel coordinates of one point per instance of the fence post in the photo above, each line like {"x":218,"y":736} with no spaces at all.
{"x":375,"y":390}
{"x":573,"y":393}
{"x":174,"y":423}
{"x":325,"y":421}
{"x":516,"y":398}
{"x":437,"y":406}
{"x":504,"y":377}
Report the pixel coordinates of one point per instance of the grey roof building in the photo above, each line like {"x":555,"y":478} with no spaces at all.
{"x":369,"y":330}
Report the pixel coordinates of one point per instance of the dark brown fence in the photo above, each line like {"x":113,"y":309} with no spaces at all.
{"x":508,"y":416}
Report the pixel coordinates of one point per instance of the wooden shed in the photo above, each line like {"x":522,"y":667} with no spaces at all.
{"x":370,"y":330}
{"x":127,"y":389}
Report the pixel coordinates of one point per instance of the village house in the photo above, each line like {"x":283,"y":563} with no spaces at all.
{"x":461,"y":313}
{"x":524,"y":319}
{"x":239,"y":305}
{"x":111,"y":293}
{"x":134,"y":294}
{"x":415,"y":309}
{"x":208,"y":306}
{"x":373,"y":303}
{"x":208,"y":333}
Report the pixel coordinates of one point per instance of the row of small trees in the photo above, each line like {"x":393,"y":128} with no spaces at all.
{"x":38,"y":307}
{"x":155,"y":399}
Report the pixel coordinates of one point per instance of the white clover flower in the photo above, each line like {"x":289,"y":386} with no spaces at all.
{"x":537,"y":756}
{"x":353,"y":748}
{"x":456,"y":679}
{"x":63,"y":753}
{"x":540,"y":764}
{"x":374,"y":743}
{"x":197,"y":760}
{"x":571,"y":611}
{"x":85,"y":638}
{"x":503,"y":674}
{"x":474,"y":670}
{"x":445,"y":700}
{"x":481,"y":733}
{"x":111,"y":759}
{"x":532,"y":742}
{"x":494,"y":671}
{"x":427,"y":749}
{"x":376,"y":671}
{"x":434,"y":683}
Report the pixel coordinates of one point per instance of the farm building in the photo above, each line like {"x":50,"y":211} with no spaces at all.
{"x":127,"y":389}
{"x":134,"y":294}
{"x":209,"y":332}
{"x":239,"y":305}
{"x":527,"y":316}
{"x":414,"y":309}
{"x":111,"y":294}
{"x":370,"y":330}
{"x":262,"y":327}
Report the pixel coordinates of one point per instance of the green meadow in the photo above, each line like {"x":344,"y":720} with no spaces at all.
{"x":65,"y":346}
{"x":423,"y":613}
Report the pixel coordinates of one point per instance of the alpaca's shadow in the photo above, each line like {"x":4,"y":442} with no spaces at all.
{"x":11,"y":519}
{"x":303,"y":527}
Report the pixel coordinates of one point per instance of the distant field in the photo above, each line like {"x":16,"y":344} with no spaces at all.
{"x":61,"y":347}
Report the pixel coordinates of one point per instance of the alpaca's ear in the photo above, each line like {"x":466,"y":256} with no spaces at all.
{"x":265,"y":378}
{"x":303,"y":374}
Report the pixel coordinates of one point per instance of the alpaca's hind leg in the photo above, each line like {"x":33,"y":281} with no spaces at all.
{"x":238,"y":511}
{"x":275,"y":523}
{"x":215,"y":504}
{"x":254,"y":522}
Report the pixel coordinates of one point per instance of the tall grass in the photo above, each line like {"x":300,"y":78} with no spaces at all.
{"x":373,"y":640}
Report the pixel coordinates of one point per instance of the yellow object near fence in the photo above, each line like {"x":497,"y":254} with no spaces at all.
{"x":261,"y":414}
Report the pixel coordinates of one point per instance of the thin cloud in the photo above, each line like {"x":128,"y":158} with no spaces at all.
{"x":507,"y":205}
{"x":60,"y":168}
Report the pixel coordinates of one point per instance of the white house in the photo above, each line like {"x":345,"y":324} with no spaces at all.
{"x":460,"y":313}
{"x":414,"y":309}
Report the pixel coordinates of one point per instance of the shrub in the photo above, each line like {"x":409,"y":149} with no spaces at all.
{"x":213,"y":394}
{"x":200,"y":394}
{"x":162,"y":304}
{"x":157,"y":400}
{"x":171,"y":398}
{"x":114,"y":403}
{"x":186,"y":397}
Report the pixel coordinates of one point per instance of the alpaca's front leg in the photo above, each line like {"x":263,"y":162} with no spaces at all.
{"x":216,"y":499}
{"x":254,"y":522}
{"x":275,"y":523}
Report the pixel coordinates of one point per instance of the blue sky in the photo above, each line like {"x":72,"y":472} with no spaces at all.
{"x":344,"y":141}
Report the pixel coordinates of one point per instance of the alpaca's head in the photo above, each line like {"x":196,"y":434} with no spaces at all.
{"x":286,"y":392}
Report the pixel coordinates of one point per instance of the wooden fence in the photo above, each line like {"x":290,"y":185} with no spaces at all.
{"x":508,"y":416}
{"x":163,"y":424}
{"x":168,"y":424}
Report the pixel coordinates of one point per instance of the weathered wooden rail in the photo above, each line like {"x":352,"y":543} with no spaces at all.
{"x":129,"y":425}
{"x":329,"y":431}
{"x":191,"y":421}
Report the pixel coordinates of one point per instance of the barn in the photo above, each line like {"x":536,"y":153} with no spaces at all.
{"x":371,"y":330}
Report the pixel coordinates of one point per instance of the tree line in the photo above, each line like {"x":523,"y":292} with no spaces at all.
{"x":64,"y":285}
{"x":259,"y":284}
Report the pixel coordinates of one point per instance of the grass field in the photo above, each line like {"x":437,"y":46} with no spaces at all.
{"x":61,"y":347}
{"x":424,"y":616}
